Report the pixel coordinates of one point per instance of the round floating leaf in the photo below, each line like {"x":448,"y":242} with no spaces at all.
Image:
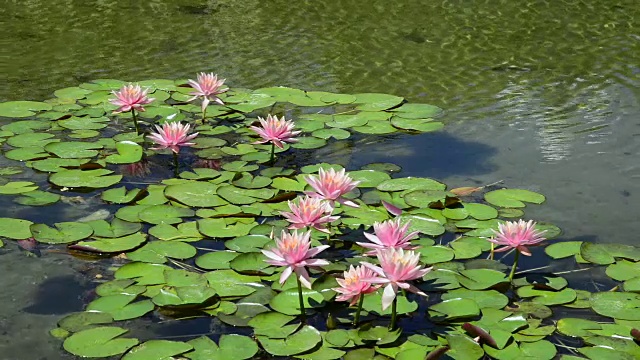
{"x":25,"y":126}
{"x":159,"y":251}
{"x":481,"y":279}
{"x":303,"y":340}
{"x":336,"y":133}
{"x":605,"y":353}
{"x":417,"y":111}
{"x":157,"y":349}
{"x":229,"y":347}
{"x":618,"y":305}
{"x":17,"y":187}
{"x":65,"y":232}
{"x":195,"y":193}
{"x":216,"y":260}
{"x":183,"y":295}
{"x":32,"y":140}
{"x":57,"y":164}
{"x":480,"y":211}
{"x":484,"y":299}
{"x":548,"y":297}
{"x":187,"y":231}
{"x":287,"y":301}
{"x":373,"y":303}
{"x":200,"y":174}
{"x":84,"y":123}
{"x":164,"y":214}
{"x":422,"y":125}
{"x":577,"y":327}
{"x":18,"y":109}
{"x":83,"y":320}
{"x":376,"y":102}
{"x":97,"y":178}
{"x":462,"y":347}
{"x":513,"y":198}
{"x":273,"y":324}
{"x":604,"y":254}
{"x":73,"y":150}
{"x":563,"y":249}
{"x":425,"y":225}
{"x":16,"y":229}
{"x":632,"y":285}
{"x":99,"y":342}
{"x":309,"y":142}
{"x":410,"y":183}
{"x":623,"y":270}
{"x":73,"y":93}
{"x":379,"y":334}
{"x":25,"y":154}
{"x":435,"y":254}
{"x":37,"y":198}
{"x":241,"y":196}
{"x":120,"y":195}
{"x":111,"y":245}
{"x":218,"y":228}
{"x":455,"y":308}
{"x":230,"y":283}
{"x":128,"y":153}
{"x":369,"y":178}
{"x":542,"y":350}
{"x":248,"y":243}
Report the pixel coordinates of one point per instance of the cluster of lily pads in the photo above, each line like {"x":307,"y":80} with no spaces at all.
{"x":209,"y":237}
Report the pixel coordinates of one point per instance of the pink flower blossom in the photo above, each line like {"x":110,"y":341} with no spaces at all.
{"x":312,"y":212}
{"x":294,"y":251}
{"x":331,"y":185}
{"x":396,"y":268}
{"x":517,"y":235}
{"x":130,"y":97}
{"x":275,"y":130}
{"x":355,"y":284}
{"x":208,"y":87}
{"x":389,"y":234}
{"x":172,"y":136}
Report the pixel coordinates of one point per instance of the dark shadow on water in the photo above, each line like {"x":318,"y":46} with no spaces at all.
{"x":59,"y":295}
{"x":436,"y":155}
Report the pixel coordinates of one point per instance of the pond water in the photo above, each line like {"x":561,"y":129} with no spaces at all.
{"x":544,"y":95}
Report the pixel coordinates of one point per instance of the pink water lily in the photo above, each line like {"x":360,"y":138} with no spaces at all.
{"x":517,"y":235}
{"x":389,"y":234}
{"x":208,"y":87}
{"x":130,"y":97}
{"x":331,"y":185}
{"x":310,"y":212}
{"x":354,"y":284}
{"x":396,"y":268}
{"x":276,"y":131}
{"x":172,"y":136}
{"x":294,"y":251}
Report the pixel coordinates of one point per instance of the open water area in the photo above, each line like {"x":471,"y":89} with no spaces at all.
{"x":543,"y":95}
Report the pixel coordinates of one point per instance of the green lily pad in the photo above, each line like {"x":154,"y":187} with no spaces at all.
{"x":117,"y":228}
{"x":309,"y":142}
{"x":195,"y":193}
{"x":422,"y":125}
{"x":158,"y":251}
{"x":17,"y":187}
{"x":111,"y":245}
{"x":57,"y":164}
{"x":273,"y":324}
{"x":119,"y":306}
{"x":336,"y":133}
{"x":164,"y":214}
{"x":186,"y":231}
{"x":84,"y":320}
{"x":373,"y":303}
{"x":25,"y":154}
{"x":453,"y":309}
{"x":73,"y":150}
{"x":410,"y":183}
{"x":128,"y":153}
{"x":618,"y":305}
{"x":64,"y":232}
{"x":543,"y":350}
{"x":623,"y":270}
{"x":84,"y":123}
{"x":229,"y":347}
{"x":157,"y":349}
{"x":37,"y":198}
{"x":376,"y":102}
{"x":32,"y":139}
{"x":303,"y":340}
{"x":183,"y":295}
{"x":99,"y":342}
{"x":563,"y":249}
{"x":16,"y":229}
{"x":604,"y":254}
{"x":19,"y":109}
{"x":220,"y":228}
{"x":287,"y":301}
{"x":481,"y":279}
{"x":120,"y":195}
{"x":577,"y":327}
{"x":484,"y":299}
{"x":416,"y":111}
{"x":97,"y":178}
{"x":548,"y":297}
{"x":513,"y":198}
{"x":230,"y":283}
{"x":463,"y":348}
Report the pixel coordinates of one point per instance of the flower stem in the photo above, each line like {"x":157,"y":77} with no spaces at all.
{"x":513,"y":268}
{"x":492,"y":248}
{"x":273,"y":151}
{"x":356,"y":319}
{"x":175,"y":164}
{"x":204,"y":115}
{"x":135,"y":120}
{"x":392,"y":326}
{"x":302,"y":311}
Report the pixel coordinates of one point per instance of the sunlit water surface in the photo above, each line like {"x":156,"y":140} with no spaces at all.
{"x":544,"y":95}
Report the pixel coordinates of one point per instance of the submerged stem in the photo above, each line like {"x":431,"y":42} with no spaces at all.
{"x":302,"y":311}
{"x":175,"y":164}
{"x":135,"y":120}
{"x":356,"y":319}
{"x":392,"y":326}
{"x":513,"y":268}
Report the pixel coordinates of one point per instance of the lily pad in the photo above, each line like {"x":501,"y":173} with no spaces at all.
{"x":303,"y":340}
{"x":159,"y":251}
{"x":229,"y":347}
{"x":604,"y":254}
{"x":618,"y":305}
{"x":111,"y":245}
{"x":195,"y":193}
{"x":18,"y":109}
{"x":99,"y":342}
{"x":513,"y":198}
{"x":64,"y":232}
{"x":157,"y":349}
{"x":97,"y":178}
